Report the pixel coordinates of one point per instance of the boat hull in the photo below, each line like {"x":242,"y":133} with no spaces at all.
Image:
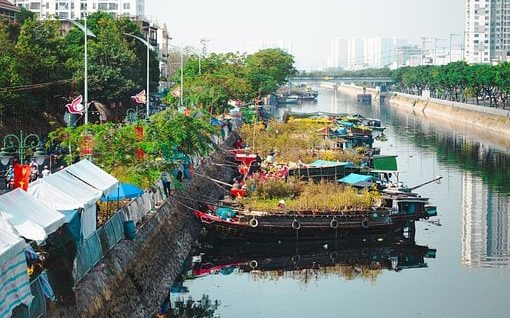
{"x":306,"y":227}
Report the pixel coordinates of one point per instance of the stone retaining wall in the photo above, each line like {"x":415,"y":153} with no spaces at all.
{"x":484,"y":120}
{"x":135,"y":278}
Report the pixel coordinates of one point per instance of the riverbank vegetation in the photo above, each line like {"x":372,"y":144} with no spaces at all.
{"x":306,"y":196}
{"x":294,"y":141}
{"x":43,"y":70}
{"x":214,"y":80}
{"x":481,"y":84}
{"x":137,"y":153}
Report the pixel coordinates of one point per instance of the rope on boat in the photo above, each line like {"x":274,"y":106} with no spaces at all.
{"x":214,"y":180}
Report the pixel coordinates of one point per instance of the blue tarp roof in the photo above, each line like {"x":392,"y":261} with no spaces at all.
{"x":354,"y":178}
{"x":346,"y":124}
{"x":326,"y":163}
{"x":123,"y":191}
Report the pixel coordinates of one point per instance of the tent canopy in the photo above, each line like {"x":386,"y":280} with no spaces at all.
{"x":10,"y":243}
{"x":92,"y":175}
{"x":326,"y":163}
{"x":355,"y":178}
{"x":123,"y":191}
{"x":66,"y":193}
{"x":31,"y":218}
{"x":76,"y":189}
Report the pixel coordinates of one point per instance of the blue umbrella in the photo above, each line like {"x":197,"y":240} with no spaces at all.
{"x":123,"y":191}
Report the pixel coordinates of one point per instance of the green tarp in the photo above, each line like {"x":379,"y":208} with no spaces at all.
{"x":385,"y":163}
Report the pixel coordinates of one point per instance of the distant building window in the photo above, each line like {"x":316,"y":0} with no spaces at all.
{"x":127,"y":6}
{"x":103,"y":6}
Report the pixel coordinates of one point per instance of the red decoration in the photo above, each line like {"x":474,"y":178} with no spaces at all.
{"x":86,"y":148}
{"x":238,"y":193}
{"x":243,"y":169}
{"x":246,"y":159}
{"x":187,"y":112}
{"x":140,"y":153}
{"x":139,"y":132}
{"x":22,"y":176}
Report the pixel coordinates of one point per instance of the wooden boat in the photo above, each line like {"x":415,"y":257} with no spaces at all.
{"x":287,"y":99}
{"x":260,"y":226}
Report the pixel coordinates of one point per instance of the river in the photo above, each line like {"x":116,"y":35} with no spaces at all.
{"x":459,"y":268}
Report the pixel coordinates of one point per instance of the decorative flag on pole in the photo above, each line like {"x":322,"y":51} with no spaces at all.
{"x":22,"y":176}
{"x":140,"y":97}
{"x":75,"y":107}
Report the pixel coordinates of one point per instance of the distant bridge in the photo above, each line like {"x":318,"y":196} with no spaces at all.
{"x":344,"y":79}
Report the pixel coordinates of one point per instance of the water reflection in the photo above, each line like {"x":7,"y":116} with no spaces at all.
{"x":485,"y":224}
{"x":351,"y":258}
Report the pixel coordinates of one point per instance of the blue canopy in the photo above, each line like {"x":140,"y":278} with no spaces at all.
{"x":326,"y":163}
{"x":123,"y":191}
{"x":346,"y":124}
{"x":355,"y":178}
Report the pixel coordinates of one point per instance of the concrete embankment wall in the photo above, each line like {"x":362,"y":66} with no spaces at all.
{"x":135,"y":278}
{"x":486,"y":120}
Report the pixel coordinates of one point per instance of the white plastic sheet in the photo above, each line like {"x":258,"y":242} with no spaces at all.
{"x":32,"y":218}
{"x":92,"y":175}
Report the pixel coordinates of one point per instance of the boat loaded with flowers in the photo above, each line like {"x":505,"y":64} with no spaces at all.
{"x":341,"y":190}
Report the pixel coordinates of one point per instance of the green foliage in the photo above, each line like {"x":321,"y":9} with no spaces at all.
{"x":230,"y":76}
{"x":169,"y":137}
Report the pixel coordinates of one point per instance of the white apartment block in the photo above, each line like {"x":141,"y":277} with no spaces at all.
{"x":76,"y":9}
{"x":487,"y":31}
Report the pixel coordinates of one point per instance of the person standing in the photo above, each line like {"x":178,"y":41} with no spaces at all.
{"x":165,"y":179}
{"x":46,"y":172}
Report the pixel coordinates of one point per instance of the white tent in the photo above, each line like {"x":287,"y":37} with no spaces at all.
{"x":66,"y":193}
{"x":92,"y":175}
{"x":14,"y":282}
{"x":31,"y":218}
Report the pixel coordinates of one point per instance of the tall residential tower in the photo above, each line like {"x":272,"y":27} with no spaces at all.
{"x":487,"y":31}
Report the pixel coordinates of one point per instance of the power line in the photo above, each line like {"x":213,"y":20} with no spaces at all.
{"x":33,"y":86}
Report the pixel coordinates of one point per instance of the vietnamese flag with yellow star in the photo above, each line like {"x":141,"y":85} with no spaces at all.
{"x":22,"y":176}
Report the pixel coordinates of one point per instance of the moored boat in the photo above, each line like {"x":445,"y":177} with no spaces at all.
{"x":288,"y":225}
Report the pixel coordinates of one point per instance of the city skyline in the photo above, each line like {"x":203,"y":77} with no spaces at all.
{"x":308,"y":29}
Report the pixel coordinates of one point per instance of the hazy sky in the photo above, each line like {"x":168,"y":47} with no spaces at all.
{"x":308,"y":25}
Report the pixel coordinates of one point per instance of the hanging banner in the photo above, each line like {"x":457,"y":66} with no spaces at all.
{"x":140,"y":154}
{"x":22,"y":176}
{"x":139,"y":132}
{"x":76,"y":107}
{"x":87,"y":144}
{"x":140,"y":97}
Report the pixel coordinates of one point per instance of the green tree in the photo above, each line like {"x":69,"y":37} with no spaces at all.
{"x":268,"y":69}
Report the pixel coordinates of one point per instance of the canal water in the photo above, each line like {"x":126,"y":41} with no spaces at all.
{"x":456,"y":265}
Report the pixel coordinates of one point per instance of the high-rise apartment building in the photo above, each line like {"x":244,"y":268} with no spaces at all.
{"x":75,"y":9}
{"x":487,"y":31}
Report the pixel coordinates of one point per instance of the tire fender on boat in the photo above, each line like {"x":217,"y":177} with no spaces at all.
{"x":296,"y":225}
{"x":334,"y":223}
{"x":254,"y":222}
{"x":365,"y":224}
{"x":253,"y":264}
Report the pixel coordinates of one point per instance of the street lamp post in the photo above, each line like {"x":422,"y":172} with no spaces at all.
{"x":20,"y":144}
{"x":87,"y":33}
{"x":149,"y":47}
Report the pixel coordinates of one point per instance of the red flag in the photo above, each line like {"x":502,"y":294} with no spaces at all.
{"x":139,"y":132}
{"x":140,"y":153}
{"x":22,"y":176}
{"x":75,"y":107}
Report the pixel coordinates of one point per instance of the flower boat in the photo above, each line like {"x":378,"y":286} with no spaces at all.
{"x":289,"y":225}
